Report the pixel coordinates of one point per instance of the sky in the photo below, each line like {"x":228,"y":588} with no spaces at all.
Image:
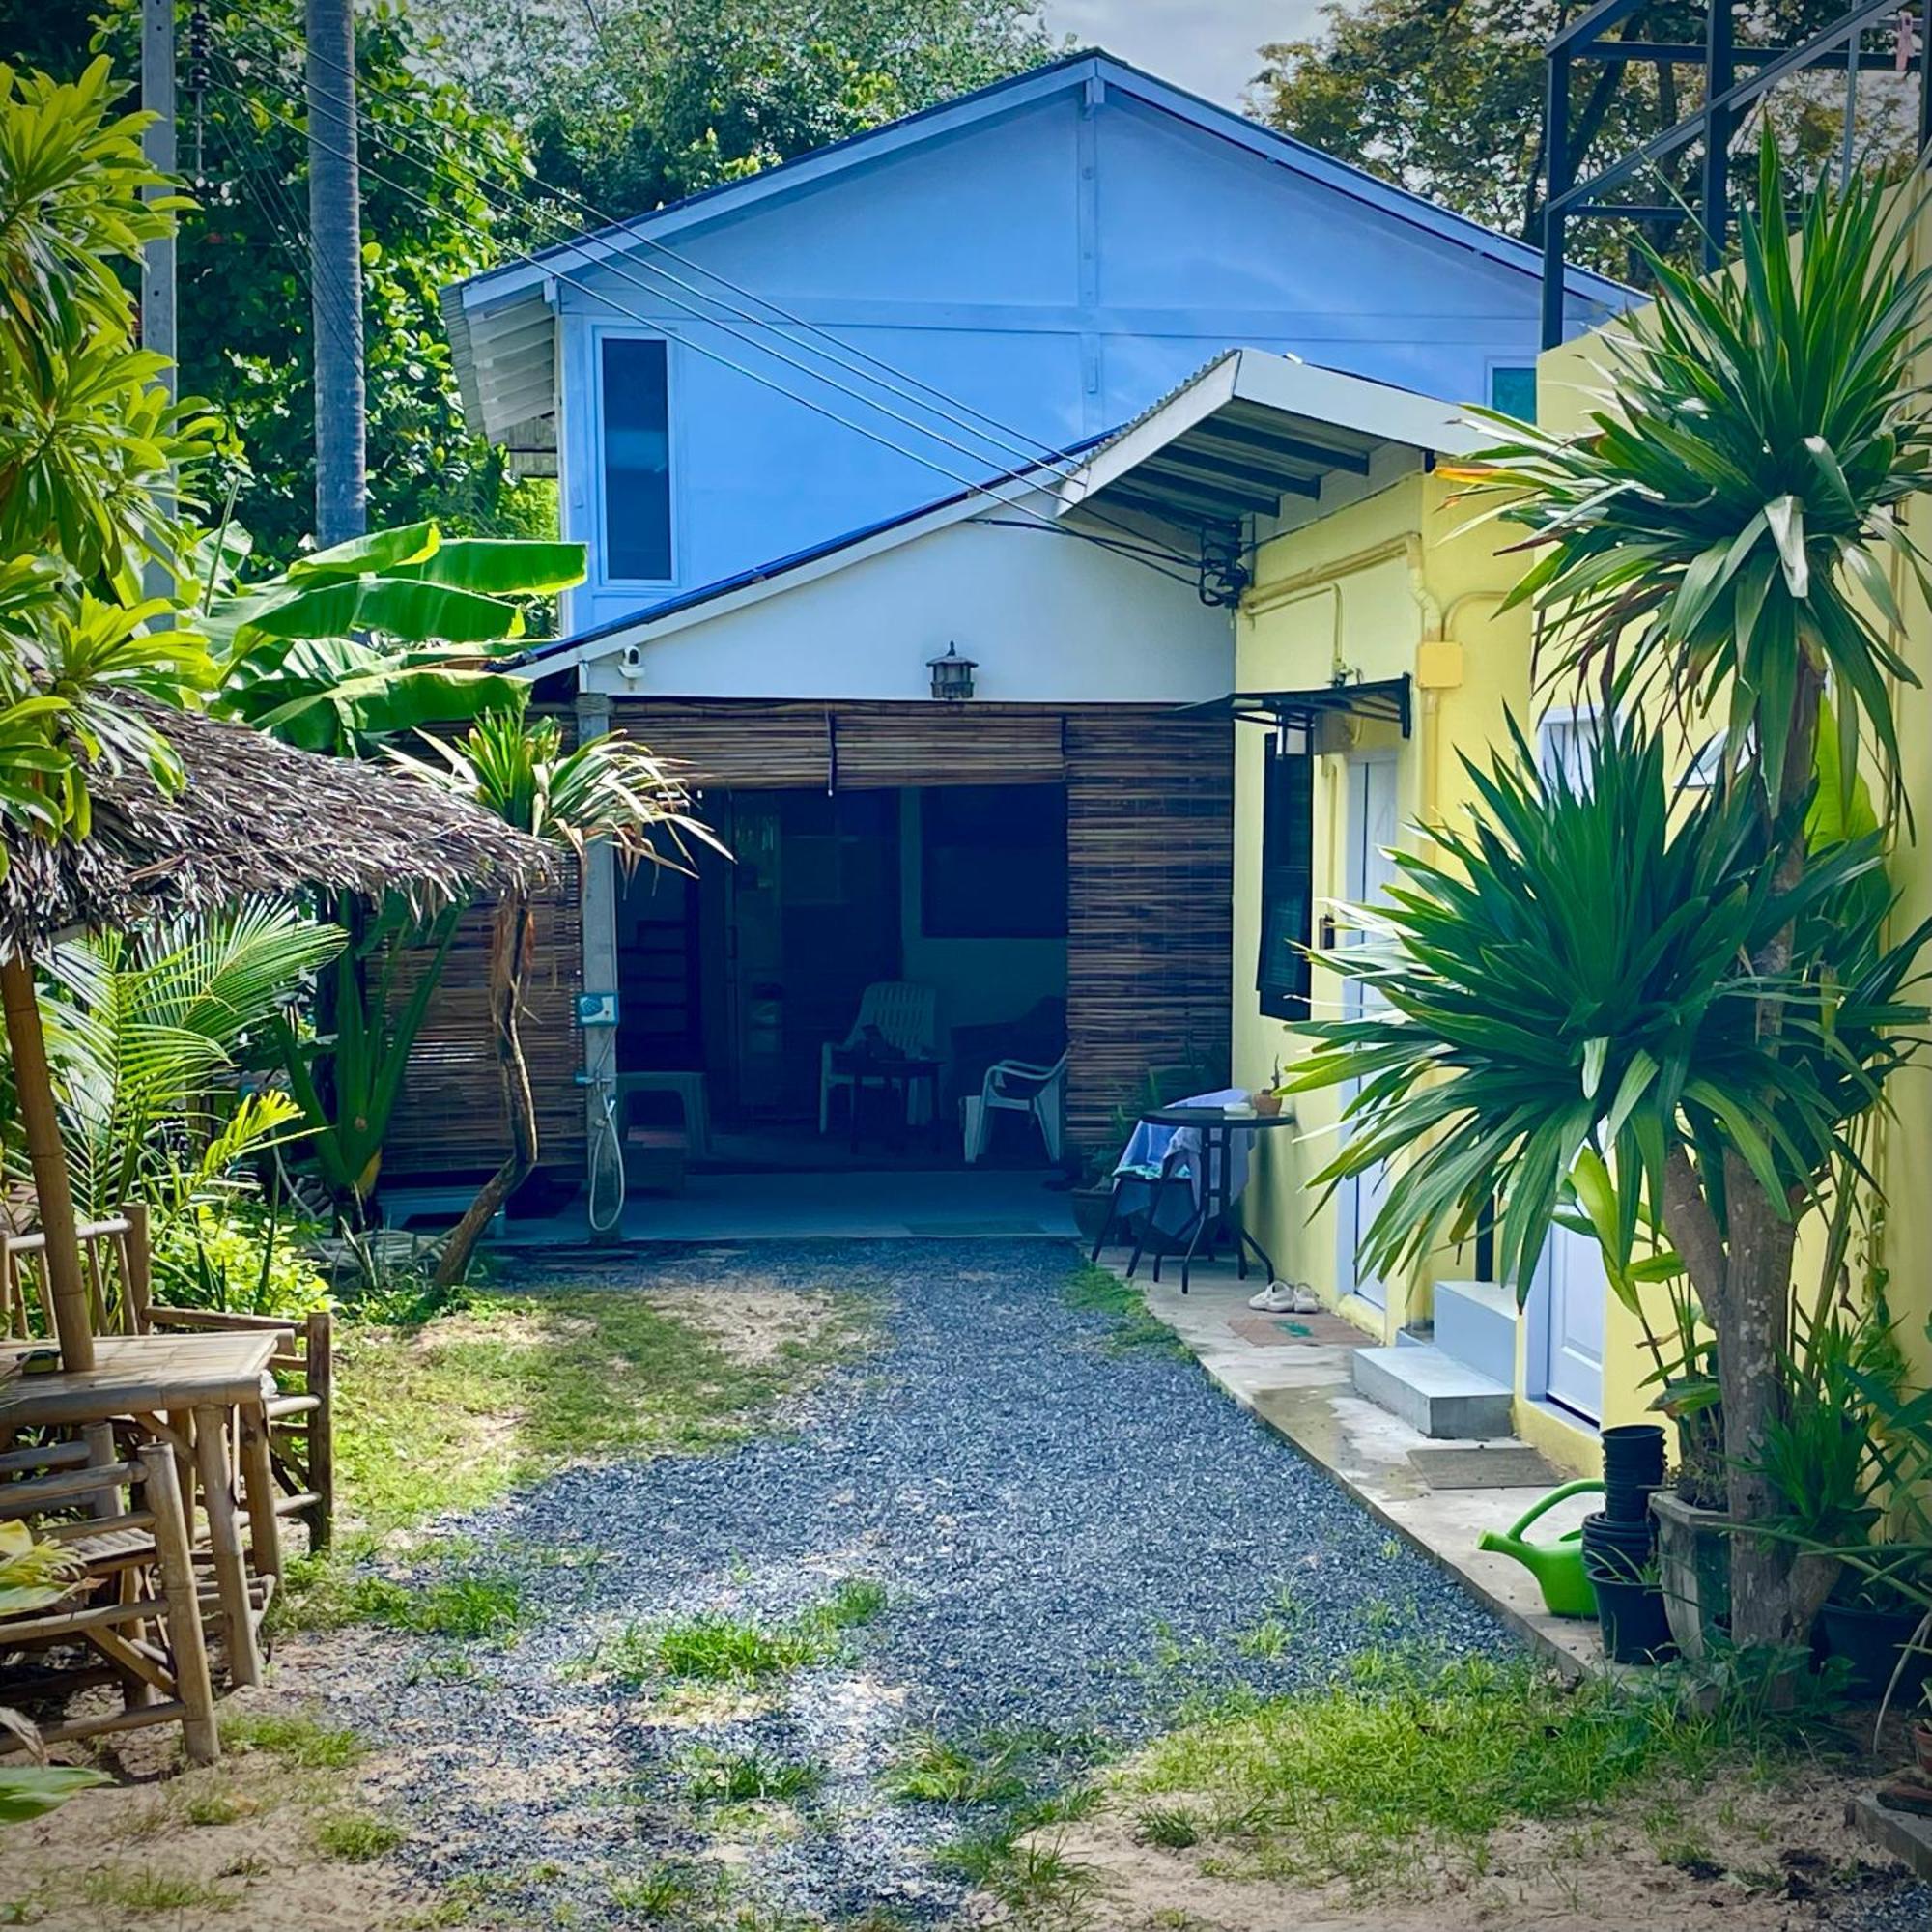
{"x":1204,"y":45}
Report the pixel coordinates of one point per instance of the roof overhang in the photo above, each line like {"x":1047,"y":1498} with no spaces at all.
{"x":1386,"y":700}
{"x":1257,"y":430}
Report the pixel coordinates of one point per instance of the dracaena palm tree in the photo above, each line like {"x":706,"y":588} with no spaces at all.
{"x":606,"y":788}
{"x":1710,"y":1001}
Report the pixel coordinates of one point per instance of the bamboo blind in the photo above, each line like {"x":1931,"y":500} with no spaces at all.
{"x":855,"y":746}
{"x":1150,"y":849}
{"x":449,"y":1118}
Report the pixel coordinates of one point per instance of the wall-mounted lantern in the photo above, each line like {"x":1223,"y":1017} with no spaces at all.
{"x":952,"y":675}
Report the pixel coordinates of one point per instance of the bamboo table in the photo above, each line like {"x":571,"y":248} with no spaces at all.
{"x":181,"y":1388}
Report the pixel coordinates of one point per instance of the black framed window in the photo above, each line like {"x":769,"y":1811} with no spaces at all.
{"x":636,"y":460}
{"x":993,"y":862}
{"x":1287,"y":882}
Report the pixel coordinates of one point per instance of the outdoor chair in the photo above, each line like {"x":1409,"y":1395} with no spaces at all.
{"x":902,"y":1014}
{"x":117,"y":1264}
{"x":1013,"y":1086}
{"x":129,"y":1613}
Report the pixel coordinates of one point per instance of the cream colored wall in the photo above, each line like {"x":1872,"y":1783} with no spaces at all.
{"x":1392,"y":585}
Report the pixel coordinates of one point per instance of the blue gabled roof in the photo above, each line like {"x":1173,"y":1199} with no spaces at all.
{"x":1052,"y":76}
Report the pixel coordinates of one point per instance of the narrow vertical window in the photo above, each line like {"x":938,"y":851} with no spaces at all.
{"x":1288,"y":880}
{"x":636,"y":461}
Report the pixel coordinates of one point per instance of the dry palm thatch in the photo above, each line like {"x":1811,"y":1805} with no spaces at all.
{"x":254,"y":815}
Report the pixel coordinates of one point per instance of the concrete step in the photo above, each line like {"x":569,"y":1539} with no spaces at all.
{"x":1476,"y":1325}
{"x":1432,"y":1393}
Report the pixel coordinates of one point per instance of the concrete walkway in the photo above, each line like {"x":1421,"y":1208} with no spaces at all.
{"x":1292,"y":1372}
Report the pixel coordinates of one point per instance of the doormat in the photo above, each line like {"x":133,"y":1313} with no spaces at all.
{"x":1289,"y":1331}
{"x":1510,"y":1467}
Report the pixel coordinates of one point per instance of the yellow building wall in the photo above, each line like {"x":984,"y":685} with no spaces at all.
{"x":1394,"y":584}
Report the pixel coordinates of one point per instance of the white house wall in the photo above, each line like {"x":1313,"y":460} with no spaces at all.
{"x":1049,"y":618}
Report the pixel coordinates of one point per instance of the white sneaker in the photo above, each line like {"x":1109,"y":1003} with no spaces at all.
{"x":1285,"y":1298}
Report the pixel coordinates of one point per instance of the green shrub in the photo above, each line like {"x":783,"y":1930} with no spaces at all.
{"x":236,"y":1258}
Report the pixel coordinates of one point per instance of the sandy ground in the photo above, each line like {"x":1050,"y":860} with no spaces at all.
{"x":1744,"y":1859}
{"x":197,"y":1849}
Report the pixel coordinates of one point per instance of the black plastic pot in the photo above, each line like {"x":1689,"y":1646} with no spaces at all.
{"x":1630,"y":1616}
{"x":1872,"y":1642}
{"x":1628,"y":1502}
{"x":1618,"y":1549}
{"x":1633,"y":1456}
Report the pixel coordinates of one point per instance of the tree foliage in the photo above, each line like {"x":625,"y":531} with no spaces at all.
{"x":95,"y":459}
{"x":1447,"y":97}
{"x":1711,"y":547}
{"x":642,"y":102}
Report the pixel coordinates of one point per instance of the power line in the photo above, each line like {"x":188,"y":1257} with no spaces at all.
{"x":707,"y":317}
{"x":1027,"y":445}
{"x":968,"y":483}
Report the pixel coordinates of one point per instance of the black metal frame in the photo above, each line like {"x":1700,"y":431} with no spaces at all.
{"x":1386,"y":698}
{"x":1587,"y":37}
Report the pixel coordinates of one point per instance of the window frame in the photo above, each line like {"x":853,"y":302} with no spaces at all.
{"x":1572,"y":715}
{"x":1294,"y":1004}
{"x":599,"y":334}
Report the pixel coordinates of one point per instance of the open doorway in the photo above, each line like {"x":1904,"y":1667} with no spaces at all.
{"x":741,"y":977}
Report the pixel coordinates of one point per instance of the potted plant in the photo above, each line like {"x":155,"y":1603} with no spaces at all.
{"x":1629,"y":1610}
{"x":1873,"y":1622}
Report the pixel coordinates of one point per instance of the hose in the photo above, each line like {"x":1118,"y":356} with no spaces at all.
{"x":610,"y":1153}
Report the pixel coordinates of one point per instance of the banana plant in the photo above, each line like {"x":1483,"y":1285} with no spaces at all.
{"x":347,"y":652}
{"x":401,"y":631}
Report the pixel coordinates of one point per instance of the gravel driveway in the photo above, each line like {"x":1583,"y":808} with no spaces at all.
{"x":1074,"y":1541}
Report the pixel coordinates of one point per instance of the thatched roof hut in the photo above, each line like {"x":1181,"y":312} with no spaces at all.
{"x":255,"y":817}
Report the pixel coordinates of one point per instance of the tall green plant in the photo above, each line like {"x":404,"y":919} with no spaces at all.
{"x":608,"y":788}
{"x":349,"y":651}
{"x":1712,"y":543}
{"x":1567,"y":999}
{"x":95,"y":459}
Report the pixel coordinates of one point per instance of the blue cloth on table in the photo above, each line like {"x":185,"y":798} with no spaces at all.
{"x":1148,"y":1147}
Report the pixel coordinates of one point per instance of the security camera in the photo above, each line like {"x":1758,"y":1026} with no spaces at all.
{"x":631,"y":660}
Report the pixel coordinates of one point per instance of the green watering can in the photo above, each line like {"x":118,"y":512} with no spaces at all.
{"x":1557,"y":1567}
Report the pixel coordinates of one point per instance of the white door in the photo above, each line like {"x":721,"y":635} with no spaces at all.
{"x":1571,"y":1287}
{"x":1371,"y":838}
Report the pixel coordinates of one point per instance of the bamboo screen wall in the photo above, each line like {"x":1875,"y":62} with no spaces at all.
{"x":1149,"y":850}
{"x":1150,"y":845}
{"x":449,"y":1116}
{"x":1149,"y":881}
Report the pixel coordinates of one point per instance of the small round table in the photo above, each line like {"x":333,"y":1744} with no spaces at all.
{"x":1214,"y":1205}
{"x":895,"y":1074}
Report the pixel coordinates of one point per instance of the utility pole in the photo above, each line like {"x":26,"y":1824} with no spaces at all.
{"x":335,"y":263}
{"x":157,"y":258}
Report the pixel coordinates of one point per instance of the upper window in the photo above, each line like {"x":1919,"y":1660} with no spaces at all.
{"x":636,"y":460}
{"x":1287,"y":882}
{"x":1514,"y":393}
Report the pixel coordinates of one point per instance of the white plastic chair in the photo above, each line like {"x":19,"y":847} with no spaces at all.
{"x":905,"y":1016}
{"x":1013,"y":1086}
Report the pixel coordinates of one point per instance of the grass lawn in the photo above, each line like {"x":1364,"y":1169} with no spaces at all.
{"x":451,"y":1414}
